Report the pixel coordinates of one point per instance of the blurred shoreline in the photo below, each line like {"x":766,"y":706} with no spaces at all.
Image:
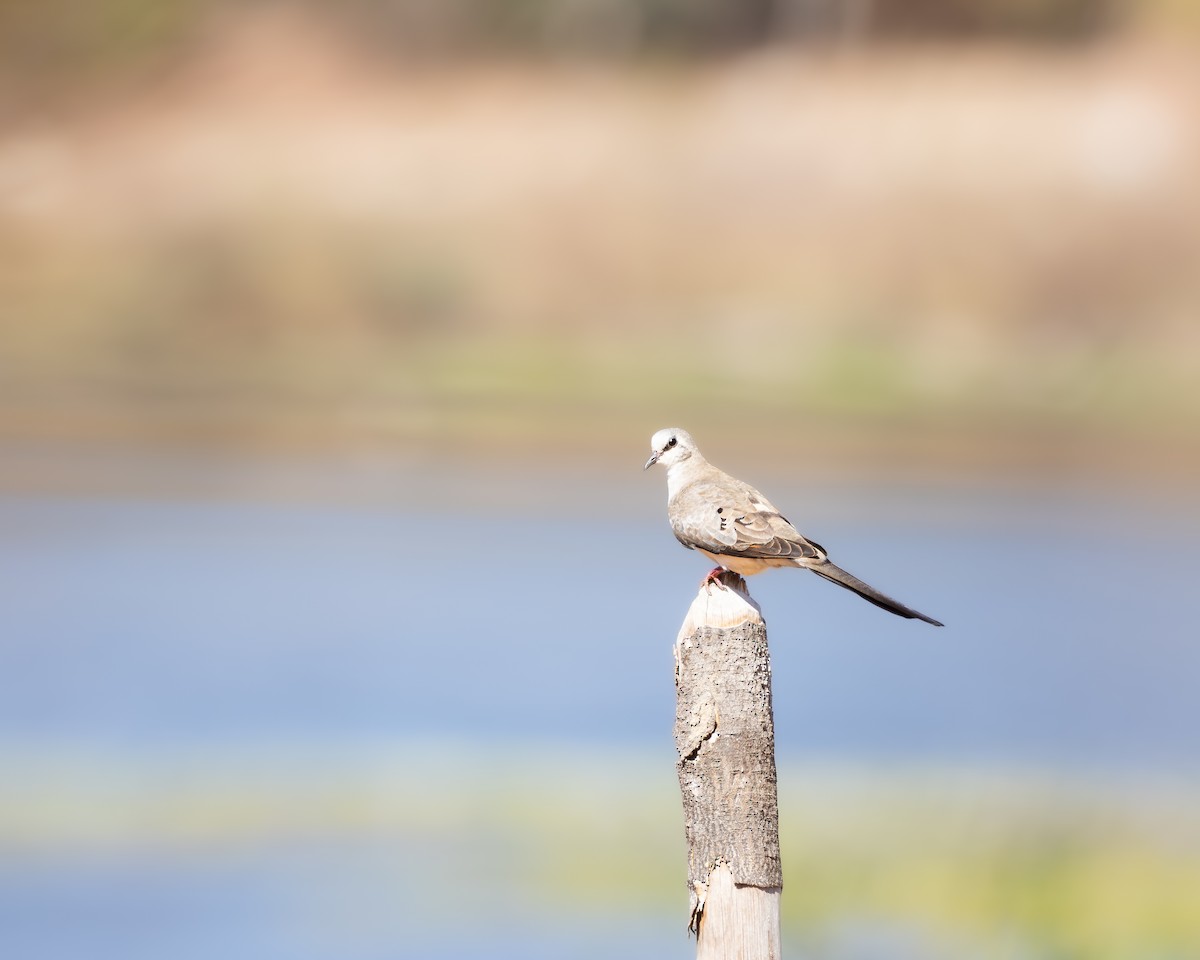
{"x":976,"y":260}
{"x":375,"y":466}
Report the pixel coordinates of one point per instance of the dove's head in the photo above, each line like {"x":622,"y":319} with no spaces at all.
{"x":670,"y":446}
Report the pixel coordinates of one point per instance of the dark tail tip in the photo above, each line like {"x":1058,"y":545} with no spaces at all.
{"x":835,"y":574}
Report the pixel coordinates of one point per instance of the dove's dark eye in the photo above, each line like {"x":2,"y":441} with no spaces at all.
{"x":672,"y":442}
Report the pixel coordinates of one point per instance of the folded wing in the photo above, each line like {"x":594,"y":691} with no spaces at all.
{"x":734,"y":519}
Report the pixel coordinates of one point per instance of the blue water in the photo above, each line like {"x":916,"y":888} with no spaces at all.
{"x":1070,"y":631}
{"x":299,"y":903}
{"x":141,"y":627}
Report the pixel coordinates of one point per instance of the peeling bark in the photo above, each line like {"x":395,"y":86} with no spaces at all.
{"x":725,"y":737}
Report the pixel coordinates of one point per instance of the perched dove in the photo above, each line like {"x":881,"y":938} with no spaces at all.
{"x":736,"y":526}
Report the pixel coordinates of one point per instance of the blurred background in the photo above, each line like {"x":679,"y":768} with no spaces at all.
{"x":337,"y":611}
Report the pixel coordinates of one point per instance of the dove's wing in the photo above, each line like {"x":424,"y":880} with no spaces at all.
{"x":720,"y":514}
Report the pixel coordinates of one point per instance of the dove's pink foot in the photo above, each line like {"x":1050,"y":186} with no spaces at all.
{"x":714,"y":576}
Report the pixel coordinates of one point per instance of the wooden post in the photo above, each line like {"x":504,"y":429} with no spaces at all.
{"x":725,"y":735}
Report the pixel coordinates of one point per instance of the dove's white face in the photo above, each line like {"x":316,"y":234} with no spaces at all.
{"x":670,"y":446}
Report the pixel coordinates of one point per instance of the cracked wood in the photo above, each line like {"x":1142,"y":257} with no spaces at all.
{"x":724,"y":734}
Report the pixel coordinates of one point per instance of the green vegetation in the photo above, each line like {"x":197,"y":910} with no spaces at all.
{"x":1090,"y":869}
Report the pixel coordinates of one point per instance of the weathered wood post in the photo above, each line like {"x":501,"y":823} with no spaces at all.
{"x":725,"y":735}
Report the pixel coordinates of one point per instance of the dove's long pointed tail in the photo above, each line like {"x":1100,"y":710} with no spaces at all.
{"x":835,"y":574}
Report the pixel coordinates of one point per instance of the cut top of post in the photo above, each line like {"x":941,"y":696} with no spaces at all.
{"x":725,"y":604}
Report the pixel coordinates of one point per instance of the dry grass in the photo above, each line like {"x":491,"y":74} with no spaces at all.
{"x":284,"y":238}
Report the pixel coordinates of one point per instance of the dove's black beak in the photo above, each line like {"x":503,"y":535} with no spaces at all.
{"x":652,"y":461}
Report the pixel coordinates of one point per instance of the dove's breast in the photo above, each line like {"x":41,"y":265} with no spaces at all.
{"x":746,"y":566}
